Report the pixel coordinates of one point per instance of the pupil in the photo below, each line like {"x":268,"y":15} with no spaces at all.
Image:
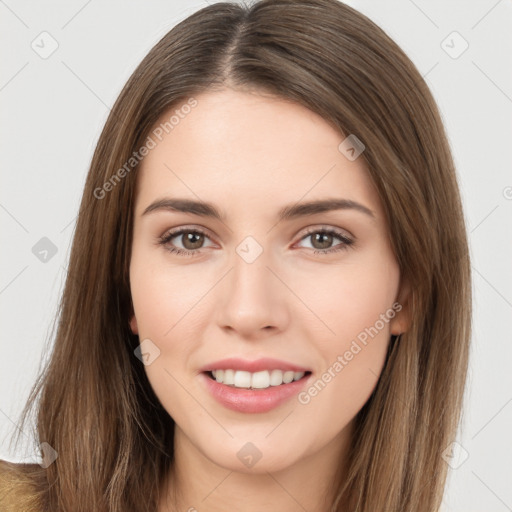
{"x":326,"y":242}
{"x":189,"y":239}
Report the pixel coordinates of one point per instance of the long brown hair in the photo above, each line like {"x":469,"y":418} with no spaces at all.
{"x":94,"y":403}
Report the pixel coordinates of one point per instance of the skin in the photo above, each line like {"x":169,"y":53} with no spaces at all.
{"x":251,"y":155}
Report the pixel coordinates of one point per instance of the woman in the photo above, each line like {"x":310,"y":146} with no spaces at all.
{"x":268,"y":298}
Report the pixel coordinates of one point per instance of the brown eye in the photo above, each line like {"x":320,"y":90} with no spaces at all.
{"x":323,"y":240}
{"x":191,"y":241}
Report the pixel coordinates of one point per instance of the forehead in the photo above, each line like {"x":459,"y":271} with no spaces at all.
{"x":252,"y":148}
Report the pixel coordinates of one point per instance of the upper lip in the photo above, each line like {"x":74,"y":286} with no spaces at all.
{"x":257,"y":365}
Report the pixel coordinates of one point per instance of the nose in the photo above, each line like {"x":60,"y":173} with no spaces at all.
{"x":253,"y":301}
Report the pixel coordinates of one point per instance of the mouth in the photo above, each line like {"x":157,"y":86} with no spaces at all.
{"x":264,"y":379}
{"x":258,"y":392}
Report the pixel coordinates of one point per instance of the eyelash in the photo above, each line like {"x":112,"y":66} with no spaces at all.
{"x":347,"y":242}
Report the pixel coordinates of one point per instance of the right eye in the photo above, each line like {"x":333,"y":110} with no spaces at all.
{"x":191,"y":239}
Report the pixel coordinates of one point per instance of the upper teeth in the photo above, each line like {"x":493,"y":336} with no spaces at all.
{"x":260,"y":380}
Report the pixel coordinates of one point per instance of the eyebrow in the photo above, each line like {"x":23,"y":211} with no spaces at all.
{"x":205,"y":209}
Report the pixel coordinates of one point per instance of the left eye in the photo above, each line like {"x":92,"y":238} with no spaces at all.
{"x":194,"y":240}
{"x":323,"y":238}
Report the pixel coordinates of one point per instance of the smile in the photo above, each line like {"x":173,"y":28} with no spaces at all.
{"x":257,"y":380}
{"x":252,"y":399}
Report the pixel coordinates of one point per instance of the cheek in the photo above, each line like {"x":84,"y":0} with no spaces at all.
{"x":354,"y":304}
{"x":162,"y":299}
{"x":357,"y":306}
{"x":348,"y":298}
{"x":162,"y":295}
{"x":365,"y":298}
{"x":168,"y":309}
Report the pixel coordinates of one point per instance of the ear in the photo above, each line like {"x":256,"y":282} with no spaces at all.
{"x":401,"y":322}
{"x":133,"y":325}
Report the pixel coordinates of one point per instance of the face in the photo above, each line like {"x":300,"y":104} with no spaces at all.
{"x":261,"y":285}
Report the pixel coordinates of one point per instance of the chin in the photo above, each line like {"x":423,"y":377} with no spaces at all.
{"x":252,"y":457}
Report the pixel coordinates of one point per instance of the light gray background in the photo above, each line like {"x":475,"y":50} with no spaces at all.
{"x":54,"y":109}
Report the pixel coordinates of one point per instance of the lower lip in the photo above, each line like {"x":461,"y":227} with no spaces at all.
{"x":253,"y":400}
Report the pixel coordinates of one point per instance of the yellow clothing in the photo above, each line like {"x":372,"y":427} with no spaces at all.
{"x":17,"y":492}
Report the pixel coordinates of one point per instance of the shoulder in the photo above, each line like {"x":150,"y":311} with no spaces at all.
{"x":18,"y":487}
